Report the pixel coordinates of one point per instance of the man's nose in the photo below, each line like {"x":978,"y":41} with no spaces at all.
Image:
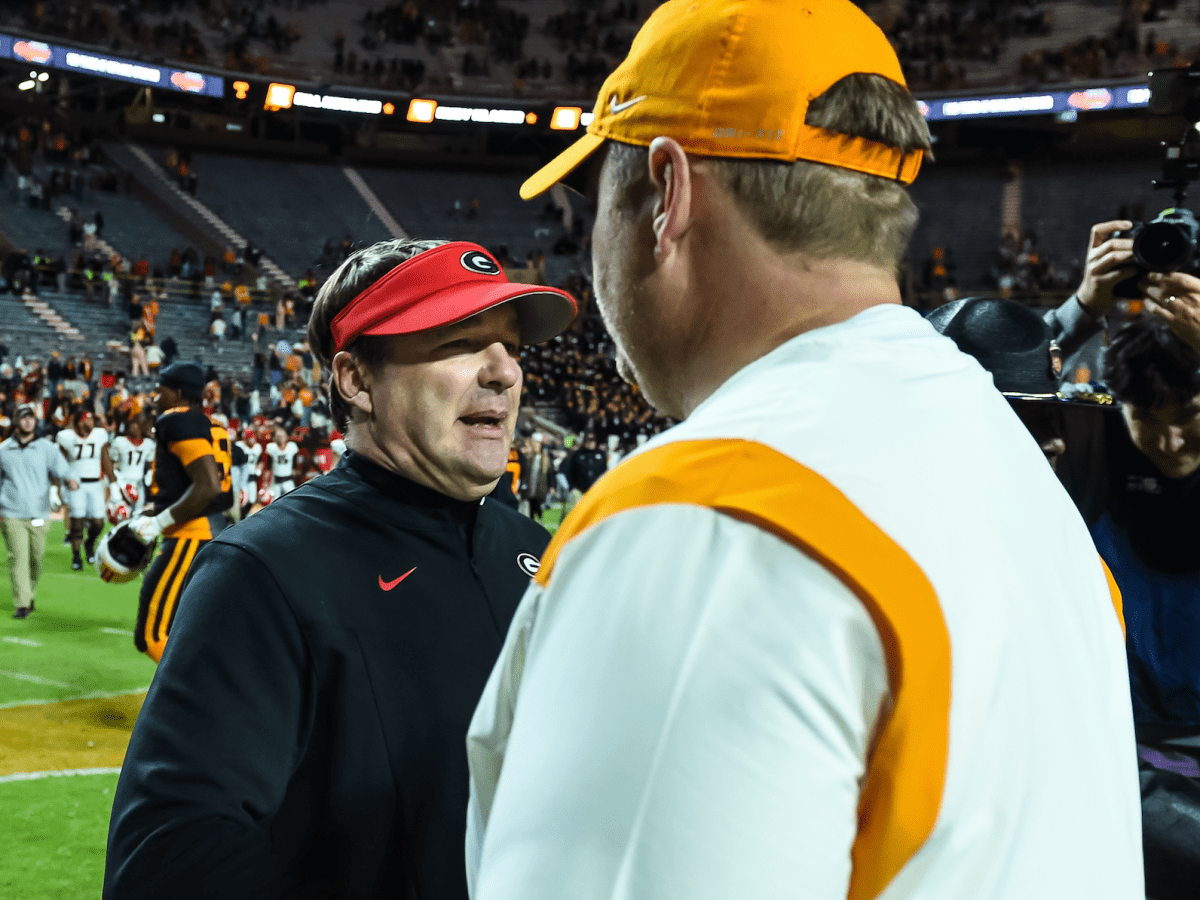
{"x":1172,"y":440}
{"x":1054,"y":448}
{"x":500,"y":370}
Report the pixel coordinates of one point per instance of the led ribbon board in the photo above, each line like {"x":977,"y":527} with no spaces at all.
{"x":53,"y":56}
{"x":1042,"y":102}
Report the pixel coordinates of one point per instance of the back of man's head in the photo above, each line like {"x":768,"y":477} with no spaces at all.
{"x":823,"y":211}
{"x":804,"y":106}
{"x":1150,"y":367}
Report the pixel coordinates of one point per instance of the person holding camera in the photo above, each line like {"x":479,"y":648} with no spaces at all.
{"x":1173,"y":297}
{"x":1136,"y":479}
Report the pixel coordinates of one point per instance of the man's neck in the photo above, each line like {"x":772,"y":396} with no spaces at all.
{"x":765,"y":300}
{"x":24,"y":439}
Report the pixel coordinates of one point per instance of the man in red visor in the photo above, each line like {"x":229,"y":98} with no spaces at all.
{"x":304,"y":735}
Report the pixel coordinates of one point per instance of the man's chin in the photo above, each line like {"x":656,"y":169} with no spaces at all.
{"x":1175,"y":468}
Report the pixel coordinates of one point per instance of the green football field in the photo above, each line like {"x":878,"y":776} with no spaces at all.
{"x":70,"y":686}
{"x":71,"y":683}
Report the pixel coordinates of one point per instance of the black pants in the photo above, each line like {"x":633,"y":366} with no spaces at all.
{"x":1170,"y":833}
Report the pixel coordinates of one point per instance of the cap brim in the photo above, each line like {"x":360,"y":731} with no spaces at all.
{"x":561,"y":166}
{"x":543,"y":315}
{"x":542,"y":312}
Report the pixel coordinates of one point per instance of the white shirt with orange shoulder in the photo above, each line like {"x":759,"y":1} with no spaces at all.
{"x":841,"y":634}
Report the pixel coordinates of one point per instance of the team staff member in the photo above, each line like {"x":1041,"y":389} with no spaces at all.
{"x":792,"y":646}
{"x":190,"y":489}
{"x":304,"y":733}
{"x":28,"y":466}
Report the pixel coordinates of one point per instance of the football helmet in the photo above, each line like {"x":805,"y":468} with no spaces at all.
{"x":122,"y":555}
{"x":117,"y":511}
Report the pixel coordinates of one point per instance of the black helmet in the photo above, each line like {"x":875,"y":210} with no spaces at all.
{"x":1008,"y":339}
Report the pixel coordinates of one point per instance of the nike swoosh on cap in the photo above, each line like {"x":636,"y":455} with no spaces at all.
{"x":388,"y":585}
{"x":614,"y":107}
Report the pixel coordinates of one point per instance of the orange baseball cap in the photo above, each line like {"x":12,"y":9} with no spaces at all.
{"x":733,"y":78}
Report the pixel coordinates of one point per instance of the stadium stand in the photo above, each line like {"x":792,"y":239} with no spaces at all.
{"x":563,"y":49}
{"x":271,"y":228}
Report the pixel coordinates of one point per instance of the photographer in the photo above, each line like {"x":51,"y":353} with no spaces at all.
{"x":1136,"y":479}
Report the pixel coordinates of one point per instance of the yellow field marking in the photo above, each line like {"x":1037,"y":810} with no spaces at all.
{"x":69,"y":735}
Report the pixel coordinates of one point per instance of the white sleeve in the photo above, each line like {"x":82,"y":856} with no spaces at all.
{"x":696,"y":705}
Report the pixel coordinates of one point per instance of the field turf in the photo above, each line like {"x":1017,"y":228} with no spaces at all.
{"x":70,"y":687}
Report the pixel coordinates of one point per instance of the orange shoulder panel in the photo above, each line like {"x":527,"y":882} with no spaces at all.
{"x":191,"y":449}
{"x":902,"y":792}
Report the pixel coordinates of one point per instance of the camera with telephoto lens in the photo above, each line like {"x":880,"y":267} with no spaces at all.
{"x":1169,"y":243}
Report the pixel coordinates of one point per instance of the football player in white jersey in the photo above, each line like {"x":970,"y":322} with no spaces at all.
{"x":245,"y":481}
{"x":86,"y":448}
{"x":133,"y":455}
{"x":281,"y":456}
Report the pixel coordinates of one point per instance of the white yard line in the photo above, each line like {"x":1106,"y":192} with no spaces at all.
{"x":117,"y":631}
{"x":61,"y":773}
{"x":94,"y":695}
{"x":35,"y":679}
{"x":24,"y":642}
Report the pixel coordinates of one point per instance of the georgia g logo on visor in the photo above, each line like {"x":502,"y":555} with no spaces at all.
{"x":474,"y":261}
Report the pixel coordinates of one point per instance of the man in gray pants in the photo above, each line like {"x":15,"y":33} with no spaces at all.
{"x":28,"y":466}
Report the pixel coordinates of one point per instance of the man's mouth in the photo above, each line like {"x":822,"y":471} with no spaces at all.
{"x":486,"y":420}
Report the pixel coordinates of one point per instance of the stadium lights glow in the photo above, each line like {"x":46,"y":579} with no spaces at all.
{"x":422,"y":110}
{"x":241,"y":89}
{"x":1138,"y":96}
{"x":586,"y":119}
{"x":530,"y":118}
{"x":26,"y":85}
{"x":279,"y":96}
{"x":565,"y":118}
{"x":476,"y":114}
{"x":159,"y":117}
{"x":103,"y":65}
{"x":389,"y":108}
{"x":993,"y":105}
{"x":339,"y":104}
{"x":54,"y":56}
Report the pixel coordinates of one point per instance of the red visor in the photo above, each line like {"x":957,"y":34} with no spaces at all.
{"x":448,"y":284}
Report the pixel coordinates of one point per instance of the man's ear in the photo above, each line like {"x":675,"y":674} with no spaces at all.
{"x":671,"y":174}
{"x":351,"y":381}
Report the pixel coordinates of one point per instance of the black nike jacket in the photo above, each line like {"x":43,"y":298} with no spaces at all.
{"x":304,"y":736}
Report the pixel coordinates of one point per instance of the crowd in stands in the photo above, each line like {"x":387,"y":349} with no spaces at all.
{"x":1118,"y":52}
{"x":935,"y":41}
